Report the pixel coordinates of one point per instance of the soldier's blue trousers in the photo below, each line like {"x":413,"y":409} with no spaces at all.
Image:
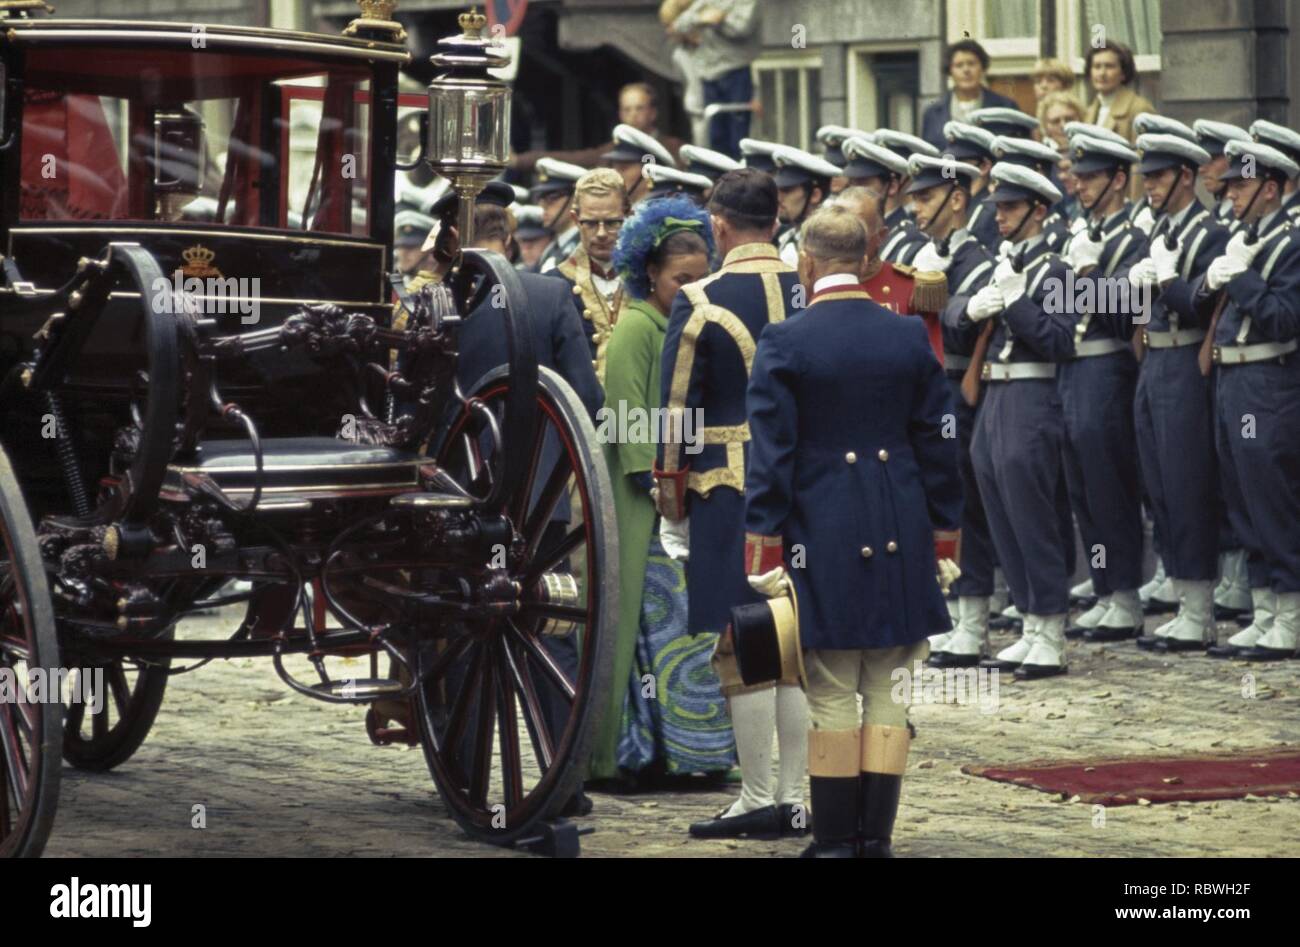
{"x":1259,"y":430}
{"x":1173,"y":412}
{"x":1234,"y":500}
{"x":1016,"y":452}
{"x":978,"y":557}
{"x":1101,"y":466}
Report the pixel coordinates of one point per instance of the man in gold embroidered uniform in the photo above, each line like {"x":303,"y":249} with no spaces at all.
{"x":599,"y":207}
{"x":712,"y":332}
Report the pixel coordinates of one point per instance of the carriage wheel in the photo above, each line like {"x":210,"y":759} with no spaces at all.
{"x":117,"y":702}
{"x":499,"y":778}
{"x":29,"y":732}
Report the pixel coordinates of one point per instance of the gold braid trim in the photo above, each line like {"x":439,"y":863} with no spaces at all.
{"x":577,"y":269}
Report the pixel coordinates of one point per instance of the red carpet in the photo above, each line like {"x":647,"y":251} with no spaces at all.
{"x":1122,"y":781}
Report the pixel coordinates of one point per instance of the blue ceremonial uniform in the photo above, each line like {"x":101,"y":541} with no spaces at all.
{"x":1019,"y":432}
{"x":1258,"y":401}
{"x":1173,"y":407}
{"x":983,"y":223}
{"x":708,"y":350}
{"x":905,"y":239}
{"x":970,"y":271}
{"x":1097,"y":387}
{"x":862,"y":492}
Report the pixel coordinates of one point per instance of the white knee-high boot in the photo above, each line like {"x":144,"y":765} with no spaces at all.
{"x":792,"y":743}
{"x":753,"y":720}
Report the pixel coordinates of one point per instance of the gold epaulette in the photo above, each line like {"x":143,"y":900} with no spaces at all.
{"x":929,"y":290}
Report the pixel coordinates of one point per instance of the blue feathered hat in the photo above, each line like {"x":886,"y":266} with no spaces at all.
{"x":653,"y":222}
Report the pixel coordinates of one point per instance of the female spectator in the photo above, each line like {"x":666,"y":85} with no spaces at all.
{"x":1111,"y":70}
{"x":964,"y":63}
{"x":668,"y":715}
{"x":1054,"y":110}
{"x":1050,"y":75}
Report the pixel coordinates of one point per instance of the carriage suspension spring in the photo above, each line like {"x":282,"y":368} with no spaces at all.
{"x":67,"y":453}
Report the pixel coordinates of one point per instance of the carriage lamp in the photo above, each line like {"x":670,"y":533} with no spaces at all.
{"x":469,"y":115}
{"x":177,"y":160}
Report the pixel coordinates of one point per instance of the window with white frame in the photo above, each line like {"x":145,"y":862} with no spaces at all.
{"x":1136,"y":23}
{"x":789,"y":94}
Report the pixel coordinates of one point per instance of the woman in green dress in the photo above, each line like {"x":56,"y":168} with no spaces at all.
{"x":667,"y":713}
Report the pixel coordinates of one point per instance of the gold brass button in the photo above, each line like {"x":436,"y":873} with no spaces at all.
{"x":867,"y":552}
{"x":586,"y":313}
{"x":883,"y":454}
{"x":885,"y":290}
{"x":891,"y":546}
{"x":850,"y":458}
{"x":577,"y":290}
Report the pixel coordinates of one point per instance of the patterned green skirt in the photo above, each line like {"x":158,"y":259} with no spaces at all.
{"x":674,"y":713}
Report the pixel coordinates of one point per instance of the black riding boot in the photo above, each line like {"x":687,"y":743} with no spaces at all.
{"x":878,"y":806}
{"x":835,"y":816}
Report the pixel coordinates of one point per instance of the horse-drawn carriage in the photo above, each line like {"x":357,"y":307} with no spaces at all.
{"x":206,"y":402}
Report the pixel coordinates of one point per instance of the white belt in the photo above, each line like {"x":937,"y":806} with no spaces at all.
{"x":1261,"y":352}
{"x":1018,"y":371}
{"x":951,"y":360}
{"x":1098,"y":347}
{"x":1173,"y":340}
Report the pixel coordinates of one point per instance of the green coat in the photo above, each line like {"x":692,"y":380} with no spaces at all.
{"x":632,"y":373}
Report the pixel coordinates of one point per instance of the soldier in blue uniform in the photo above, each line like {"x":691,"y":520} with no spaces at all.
{"x":1097,"y":388}
{"x":552,"y":190}
{"x":941,"y":193}
{"x":1005,"y":122}
{"x":1173,"y":407}
{"x":704,"y":161}
{"x":974,"y":145}
{"x":1287,"y":141}
{"x":803,"y":183}
{"x":1258,"y":385}
{"x":854,"y":500}
{"x":666,"y":182}
{"x":1139,"y":213}
{"x":1214,"y":137}
{"x":897,"y":217}
{"x":1019,"y":431}
{"x":880,"y":169}
{"x":708,"y":349}
{"x":1043,"y":159}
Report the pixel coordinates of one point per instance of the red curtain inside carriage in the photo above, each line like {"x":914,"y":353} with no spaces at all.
{"x":70,"y":165}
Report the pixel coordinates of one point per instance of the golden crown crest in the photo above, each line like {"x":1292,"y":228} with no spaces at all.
{"x":198,"y":261}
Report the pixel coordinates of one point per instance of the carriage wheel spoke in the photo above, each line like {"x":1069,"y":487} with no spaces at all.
{"x":548,"y":665}
{"x":518,"y":509}
{"x":512,"y":768}
{"x":549,"y":560}
{"x":15,"y":761}
{"x":6,"y":824}
{"x":121,"y":688}
{"x":556,"y":484}
{"x":480,"y":772}
{"x":460,"y":705}
{"x":443,"y":661}
{"x":77,"y":709}
{"x":98,"y":721}
{"x":539,"y":731}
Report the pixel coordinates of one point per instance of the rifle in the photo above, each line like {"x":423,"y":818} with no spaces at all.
{"x":1205,"y":357}
{"x":972,"y":377}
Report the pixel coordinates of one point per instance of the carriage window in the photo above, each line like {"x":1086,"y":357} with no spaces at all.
{"x":166,"y":135}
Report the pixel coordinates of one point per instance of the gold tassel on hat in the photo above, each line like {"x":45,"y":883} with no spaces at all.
{"x":929,"y":291}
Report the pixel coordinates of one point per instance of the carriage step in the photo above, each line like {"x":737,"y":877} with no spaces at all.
{"x":361,"y":689}
{"x":556,"y":838}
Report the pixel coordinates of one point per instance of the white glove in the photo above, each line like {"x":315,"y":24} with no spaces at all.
{"x":1004,"y":269}
{"x":1004,"y":249}
{"x":1222,"y":271}
{"x":1012,"y":286}
{"x":928,"y":259}
{"x":1241,"y":252}
{"x":1084,"y":252}
{"x":1143,"y":273}
{"x":675,"y":537}
{"x":949,"y":573}
{"x":1080,"y":224}
{"x":985,"y":303}
{"x":1165,"y":261}
{"x":1145,"y":220}
{"x":770,"y":584}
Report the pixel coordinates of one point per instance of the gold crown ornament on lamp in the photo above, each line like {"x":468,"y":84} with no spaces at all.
{"x":376,"y":22}
{"x":469,"y":115}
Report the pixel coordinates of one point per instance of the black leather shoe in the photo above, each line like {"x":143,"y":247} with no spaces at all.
{"x":946,"y":659}
{"x":579,"y":804}
{"x":1179,"y":644}
{"x":993,"y":664}
{"x":796,"y":821}
{"x":1083,"y":601}
{"x":1033,"y":672}
{"x":1147,"y":642}
{"x":1224,"y":613}
{"x":1224,"y":650}
{"x":1157,"y":606}
{"x":1075,"y":632}
{"x":1103,"y":633}
{"x":760,"y":824}
{"x":1259,"y":653}
{"x":1002,"y":622}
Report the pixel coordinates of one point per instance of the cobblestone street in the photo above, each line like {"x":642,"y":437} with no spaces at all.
{"x":280,"y":774}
